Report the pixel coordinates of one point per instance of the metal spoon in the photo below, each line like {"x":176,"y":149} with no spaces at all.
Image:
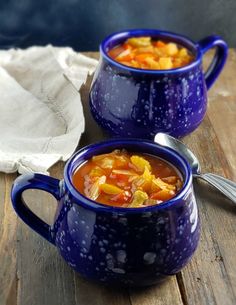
{"x":225,"y":186}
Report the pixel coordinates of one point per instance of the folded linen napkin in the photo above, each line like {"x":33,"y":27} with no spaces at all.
{"x":41,"y":115}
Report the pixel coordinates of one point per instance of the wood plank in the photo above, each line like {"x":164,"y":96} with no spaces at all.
{"x":210,"y":277}
{"x":222,"y":100}
{"x":87,"y":293}
{"x":43,"y":276}
{"x":167,"y":293}
{"x":8,"y":229}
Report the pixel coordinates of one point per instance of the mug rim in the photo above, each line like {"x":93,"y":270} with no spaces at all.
{"x":139,"y":32}
{"x":91,"y":204}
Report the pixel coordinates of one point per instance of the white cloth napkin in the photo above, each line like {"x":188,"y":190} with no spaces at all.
{"x":41,"y":115}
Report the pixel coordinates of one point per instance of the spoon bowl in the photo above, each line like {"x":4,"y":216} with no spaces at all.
{"x":168,"y":141}
{"x":225,"y":186}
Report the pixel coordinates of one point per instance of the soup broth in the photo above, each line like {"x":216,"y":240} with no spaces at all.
{"x":125,"y":179}
{"x":146,"y":53}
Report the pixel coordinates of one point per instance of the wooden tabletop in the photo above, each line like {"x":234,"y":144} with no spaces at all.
{"x":33,"y":273}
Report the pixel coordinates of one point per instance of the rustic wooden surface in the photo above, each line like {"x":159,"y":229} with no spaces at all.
{"x":33,"y":273}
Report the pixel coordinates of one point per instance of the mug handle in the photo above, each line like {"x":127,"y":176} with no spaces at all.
{"x":219,"y":59}
{"x":40,"y":182}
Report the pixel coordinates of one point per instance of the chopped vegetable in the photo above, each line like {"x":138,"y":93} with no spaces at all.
{"x":125,"y":56}
{"x":153,"y":64}
{"x":106,"y":162}
{"x":121,"y":197}
{"x":162,"y":195}
{"x":139,"y":41}
{"x":94,"y":191}
{"x":96,"y":172}
{"x":142,"y":58}
{"x":100,"y":157}
{"x":170,"y":180}
{"x":140,"y":163}
{"x":160,"y":44}
{"x":148,"y":50}
{"x":179,"y":184}
{"x":183,"y":52}
{"x":171,"y":49}
{"x":110,"y":189}
{"x":138,"y":199}
{"x":152,"y":202}
{"x":147,"y":173}
{"x":145,"y":180}
{"x":121,"y":161}
{"x":160,"y":184}
{"x":124,"y":172}
{"x":165,"y":63}
{"x":177,"y":62}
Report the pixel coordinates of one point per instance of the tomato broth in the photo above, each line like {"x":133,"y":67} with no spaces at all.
{"x":126,"y":179}
{"x":146,"y":53}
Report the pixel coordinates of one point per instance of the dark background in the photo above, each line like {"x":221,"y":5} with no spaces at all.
{"x":83,"y":24}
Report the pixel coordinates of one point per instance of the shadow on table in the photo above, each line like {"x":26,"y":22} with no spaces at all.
{"x":93,"y":133}
{"x":107,"y":295}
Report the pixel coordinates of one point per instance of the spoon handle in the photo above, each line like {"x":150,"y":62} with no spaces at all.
{"x":225,"y":186}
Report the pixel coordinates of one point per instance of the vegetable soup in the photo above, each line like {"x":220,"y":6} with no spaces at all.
{"x":145,"y":53}
{"x":125,"y":179}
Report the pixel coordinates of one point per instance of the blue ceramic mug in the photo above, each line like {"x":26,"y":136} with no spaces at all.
{"x":129,"y":246}
{"x":139,"y":103}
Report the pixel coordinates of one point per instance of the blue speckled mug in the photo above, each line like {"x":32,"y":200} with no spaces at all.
{"x":127,"y":246}
{"x":139,"y":103}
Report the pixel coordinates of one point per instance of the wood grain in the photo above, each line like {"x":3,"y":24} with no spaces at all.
{"x":33,"y":273}
{"x":210,"y":277}
{"x":8,"y":256}
{"x":167,"y":293}
{"x":222,"y":111}
{"x":89,"y":293}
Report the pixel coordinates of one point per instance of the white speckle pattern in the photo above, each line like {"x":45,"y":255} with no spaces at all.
{"x":194,"y":215}
{"x":149,"y":258}
{"x":140,"y":108}
{"x":98,"y":245}
{"x":118,"y":270}
{"x":121,"y":256}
